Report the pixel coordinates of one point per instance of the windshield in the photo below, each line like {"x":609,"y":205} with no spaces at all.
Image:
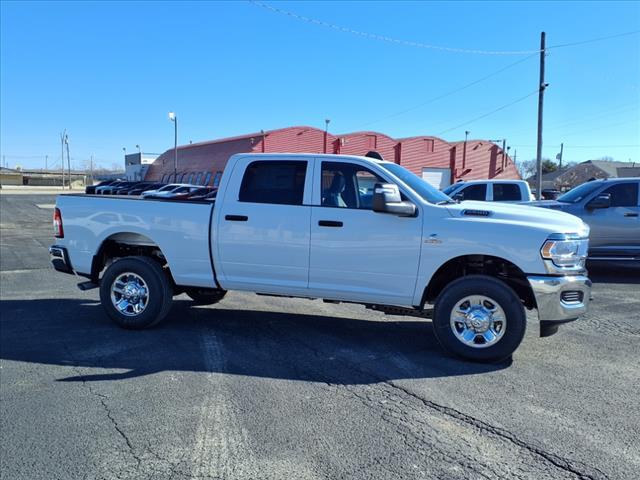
{"x":422,"y":188}
{"x":578,"y":194}
{"x":167,"y":187}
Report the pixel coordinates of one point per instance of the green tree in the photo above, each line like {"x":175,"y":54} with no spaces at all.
{"x":548,"y":166}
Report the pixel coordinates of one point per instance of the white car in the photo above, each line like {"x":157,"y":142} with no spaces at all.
{"x":491,"y":191}
{"x":340,"y":228}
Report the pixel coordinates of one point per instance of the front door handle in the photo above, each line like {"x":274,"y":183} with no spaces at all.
{"x":236,"y":218}
{"x":329,"y":223}
{"x":629,"y":214}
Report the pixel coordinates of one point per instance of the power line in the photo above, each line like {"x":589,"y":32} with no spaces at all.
{"x":567,"y":146}
{"x":444,"y":95}
{"x":491,"y":112}
{"x":384,"y":38}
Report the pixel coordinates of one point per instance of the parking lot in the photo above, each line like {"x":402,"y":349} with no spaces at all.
{"x":260,"y":387}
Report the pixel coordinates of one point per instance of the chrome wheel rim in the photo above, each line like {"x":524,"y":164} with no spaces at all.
{"x":478,"y":321}
{"x":129,"y":294}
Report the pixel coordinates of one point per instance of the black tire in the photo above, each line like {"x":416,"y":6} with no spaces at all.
{"x":205,"y":296}
{"x":500,"y":293}
{"x":160,"y":293}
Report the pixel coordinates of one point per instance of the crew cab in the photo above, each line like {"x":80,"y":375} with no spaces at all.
{"x":339,"y":228}
{"x":491,"y":191}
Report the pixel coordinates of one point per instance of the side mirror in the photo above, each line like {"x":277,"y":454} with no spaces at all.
{"x":458,"y":197}
{"x":601,"y":201}
{"x":387,"y":199}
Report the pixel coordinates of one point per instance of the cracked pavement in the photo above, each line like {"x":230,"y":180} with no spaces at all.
{"x":269,"y":388}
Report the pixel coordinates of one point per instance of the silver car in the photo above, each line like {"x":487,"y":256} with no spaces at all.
{"x":611,"y":207}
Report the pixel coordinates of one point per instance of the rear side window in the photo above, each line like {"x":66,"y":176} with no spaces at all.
{"x":274,"y":182}
{"x":506,"y":192}
{"x":623,"y":194}
{"x":474,"y":192}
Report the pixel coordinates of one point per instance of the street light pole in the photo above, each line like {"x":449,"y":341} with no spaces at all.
{"x":174,"y":118}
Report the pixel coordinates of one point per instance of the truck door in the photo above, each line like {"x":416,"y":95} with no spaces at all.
{"x":263,"y":228}
{"x":617,"y":227}
{"x":356,"y":253}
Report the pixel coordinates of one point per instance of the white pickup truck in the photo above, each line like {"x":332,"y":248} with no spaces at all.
{"x":338,"y":228}
{"x":491,"y":191}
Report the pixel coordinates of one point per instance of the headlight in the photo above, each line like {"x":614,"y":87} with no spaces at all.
{"x":565,"y":251}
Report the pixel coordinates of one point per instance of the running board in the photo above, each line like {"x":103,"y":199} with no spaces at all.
{"x":84,"y":286}
{"x":408,"y":312}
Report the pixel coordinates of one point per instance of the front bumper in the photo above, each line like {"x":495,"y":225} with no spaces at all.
{"x":559,"y":299}
{"x":60,"y":259}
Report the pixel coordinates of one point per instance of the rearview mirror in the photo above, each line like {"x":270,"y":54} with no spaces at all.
{"x":600,"y":201}
{"x":387,"y":199}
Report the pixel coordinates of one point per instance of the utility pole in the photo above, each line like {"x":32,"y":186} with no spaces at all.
{"x":46,"y":161}
{"x":559,"y":156}
{"x":91,"y":168}
{"x":504,"y":153}
{"x":66,"y":141}
{"x":62,"y":135}
{"x":541,"y":88}
{"x":464,"y":149}
{"x":326,"y":133}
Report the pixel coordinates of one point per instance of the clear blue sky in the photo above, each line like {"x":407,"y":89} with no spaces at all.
{"x":110,"y":72}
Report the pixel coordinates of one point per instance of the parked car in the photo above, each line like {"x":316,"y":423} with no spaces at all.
{"x":211,"y":195}
{"x":163,"y":191}
{"x":114,"y":187}
{"x":611,"y":208}
{"x":294,"y":225}
{"x":178,"y":193}
{"x":91,"y":189}
{"x":491,"y":191}
{"x":99,"y":190}
{"x":143,"y":187}
{"x":550,"y":194}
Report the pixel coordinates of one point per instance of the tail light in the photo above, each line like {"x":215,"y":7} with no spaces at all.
{"x":58,"y":231}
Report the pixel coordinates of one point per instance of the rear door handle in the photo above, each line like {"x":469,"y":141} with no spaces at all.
{"x":236,"y":218}
{"x":329,"y":223}
{"x":630,"y":214}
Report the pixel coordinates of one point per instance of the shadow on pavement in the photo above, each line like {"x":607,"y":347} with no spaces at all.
{"x":614,"y":272}
{"x":77,"y":333}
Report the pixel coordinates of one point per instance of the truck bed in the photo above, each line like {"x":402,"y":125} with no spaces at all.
{"x":179,"y":228}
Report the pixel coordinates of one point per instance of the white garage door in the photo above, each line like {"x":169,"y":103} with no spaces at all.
{"x":438,"y":177}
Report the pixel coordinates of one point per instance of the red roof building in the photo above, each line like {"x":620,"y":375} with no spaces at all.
{"x":431,"y":158}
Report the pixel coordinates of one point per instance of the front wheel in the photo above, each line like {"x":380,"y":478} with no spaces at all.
{"x":479,"y":318}
{"x":135,"y":292}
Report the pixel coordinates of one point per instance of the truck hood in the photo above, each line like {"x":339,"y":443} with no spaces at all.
{"x":519,"y":214}
{"x":553,"y":204}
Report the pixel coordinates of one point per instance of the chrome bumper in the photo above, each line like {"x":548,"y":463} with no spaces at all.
{"x":60,"y":259}
{"x":561,"y":299}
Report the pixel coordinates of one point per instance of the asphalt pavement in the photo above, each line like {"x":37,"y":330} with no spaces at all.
{"x":268,"y":388}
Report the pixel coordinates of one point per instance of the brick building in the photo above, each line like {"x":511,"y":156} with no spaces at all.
{"x":437,"y":161}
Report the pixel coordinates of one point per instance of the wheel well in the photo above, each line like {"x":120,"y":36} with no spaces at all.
{"x":124,"y":244}
{"x":484,"y":265}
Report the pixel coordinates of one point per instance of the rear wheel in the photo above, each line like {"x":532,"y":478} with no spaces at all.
{"x":135,"y":292}
{"x":479,"y":318}
{"x":205,"y":296}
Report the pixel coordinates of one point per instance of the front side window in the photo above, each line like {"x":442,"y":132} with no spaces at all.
{"x":506,"y":192}
{"x":623,"y":194}
{"x":474,"y":192}
{"x":274,"y":182}
{"x":347,"y":185}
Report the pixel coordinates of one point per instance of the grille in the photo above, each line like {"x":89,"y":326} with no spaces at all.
{"x":571,"y":296}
